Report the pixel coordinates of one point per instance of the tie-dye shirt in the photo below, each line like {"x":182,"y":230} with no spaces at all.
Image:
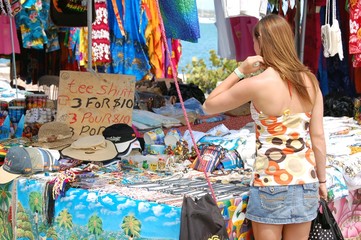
{"x":283,"y":155}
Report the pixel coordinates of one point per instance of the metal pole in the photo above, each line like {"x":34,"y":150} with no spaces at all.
{"x":297,"y":28}
{"x":89,"y":21}
{"x":303,"y":29}
{"x":13,"y":54}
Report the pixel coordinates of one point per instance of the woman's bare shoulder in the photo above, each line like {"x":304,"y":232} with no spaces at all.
{"x":268,"y":76}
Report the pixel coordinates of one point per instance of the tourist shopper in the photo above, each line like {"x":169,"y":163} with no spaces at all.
{"x":287,"y":108}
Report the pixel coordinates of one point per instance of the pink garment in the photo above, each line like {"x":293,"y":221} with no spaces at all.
{"x":5,"y":43}
{"x":354,"y":38}
{"x":242,"y":29}
{"x":347,"y":213}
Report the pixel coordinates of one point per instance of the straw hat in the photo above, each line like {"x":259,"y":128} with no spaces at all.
{"x":54,"y":135}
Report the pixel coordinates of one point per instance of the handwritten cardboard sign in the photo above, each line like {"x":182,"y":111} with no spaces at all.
{"x":89,"y":102}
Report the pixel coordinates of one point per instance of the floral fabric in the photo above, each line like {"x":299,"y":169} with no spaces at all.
{"x":100,"y":34}
{"x":355,"y":31}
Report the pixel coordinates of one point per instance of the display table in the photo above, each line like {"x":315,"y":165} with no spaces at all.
{"x":102,"y":213}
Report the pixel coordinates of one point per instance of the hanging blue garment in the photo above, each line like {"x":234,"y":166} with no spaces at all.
{"x":30,"y":21}
{"x":322,"y":74}
{"x":128,"y":48}
{"x":180,"y":18}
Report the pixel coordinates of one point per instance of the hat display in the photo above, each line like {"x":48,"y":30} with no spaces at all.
{"x":26,"y":160}
{"x":54,"y":135}
{"x":134,"y":145}
{"x":91,"y":148}
{"x":122,"y":135}
{"x":43,"y":159}
{"x":16,"y":163}
{"x":38,"y":162}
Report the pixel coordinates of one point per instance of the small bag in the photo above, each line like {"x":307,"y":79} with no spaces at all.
{"x":324,"y":226}
{"x":211,"y":156}
{"x":331,"y":34}
{"x":71,"y":13}
{"x":231,"y":160}
{"x":201,"y":219}
{"x":147,"y":101}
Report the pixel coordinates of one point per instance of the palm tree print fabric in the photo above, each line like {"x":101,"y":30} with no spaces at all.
{"x":91,"y":214}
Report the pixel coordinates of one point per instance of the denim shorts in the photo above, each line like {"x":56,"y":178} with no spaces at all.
{"x":283,"y":204}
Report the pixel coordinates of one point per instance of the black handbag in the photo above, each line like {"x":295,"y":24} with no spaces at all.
{"x":324,"y":226}
{"x":71,"y":13}
{"x":147,"y":101}
{"x":201,"y":219}
{"x":188,"y":91}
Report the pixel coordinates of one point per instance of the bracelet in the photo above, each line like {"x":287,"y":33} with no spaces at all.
{"x":239,"y":74}
{"x":322,"y":181}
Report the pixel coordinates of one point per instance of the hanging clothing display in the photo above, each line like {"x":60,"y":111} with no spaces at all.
{"x":100,"y":34}
{"x":180,"y":18}
{"x":355,"y":28}
{"x":338,"y":71}
{"x":5,"y":35}
{"x":50,"y":29}
{"x":153,"y":34}
{"x":232,"y":8}
{"x":31,"y":24}
{"x":128,"y":43}
{"x":175,"y":48}
{"x":312,"y":46}
{"x":226,"y":47}
{"x":242,"y":32}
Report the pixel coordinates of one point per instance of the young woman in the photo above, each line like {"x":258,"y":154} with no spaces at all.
{"x":287,"y":107}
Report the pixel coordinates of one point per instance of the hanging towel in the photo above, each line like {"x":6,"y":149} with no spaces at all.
{"x":5,"y":35}
{"x":180,"y":18}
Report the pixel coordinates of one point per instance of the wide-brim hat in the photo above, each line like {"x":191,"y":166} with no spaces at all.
{"x":91,"y":148}
{"x":54,"y":135}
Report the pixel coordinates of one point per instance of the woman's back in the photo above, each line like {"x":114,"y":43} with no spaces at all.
{"x":275,"y":95}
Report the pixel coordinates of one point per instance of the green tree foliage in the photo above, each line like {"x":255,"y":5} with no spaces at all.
{"x":131,"y":226}
{"x":65,"y":221}
{"x":5,"y":210}
{"x":51,"y":234}
{"x":23,"y":225}
{"x":95,"y":225}
{"x":206,"y":78}
{"x":36,"y":202}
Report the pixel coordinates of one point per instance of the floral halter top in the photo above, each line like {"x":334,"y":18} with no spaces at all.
{"x":283,"y":154}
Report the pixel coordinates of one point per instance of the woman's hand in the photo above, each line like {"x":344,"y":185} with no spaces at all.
{"x":251,"y":64}
{"x":322,"y":190}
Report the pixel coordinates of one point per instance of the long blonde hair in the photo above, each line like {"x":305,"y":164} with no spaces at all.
{"x":276,"y":42}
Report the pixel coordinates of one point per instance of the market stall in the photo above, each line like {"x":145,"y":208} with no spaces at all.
{"x":142,"y":195}
{"x":139,"y":192}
